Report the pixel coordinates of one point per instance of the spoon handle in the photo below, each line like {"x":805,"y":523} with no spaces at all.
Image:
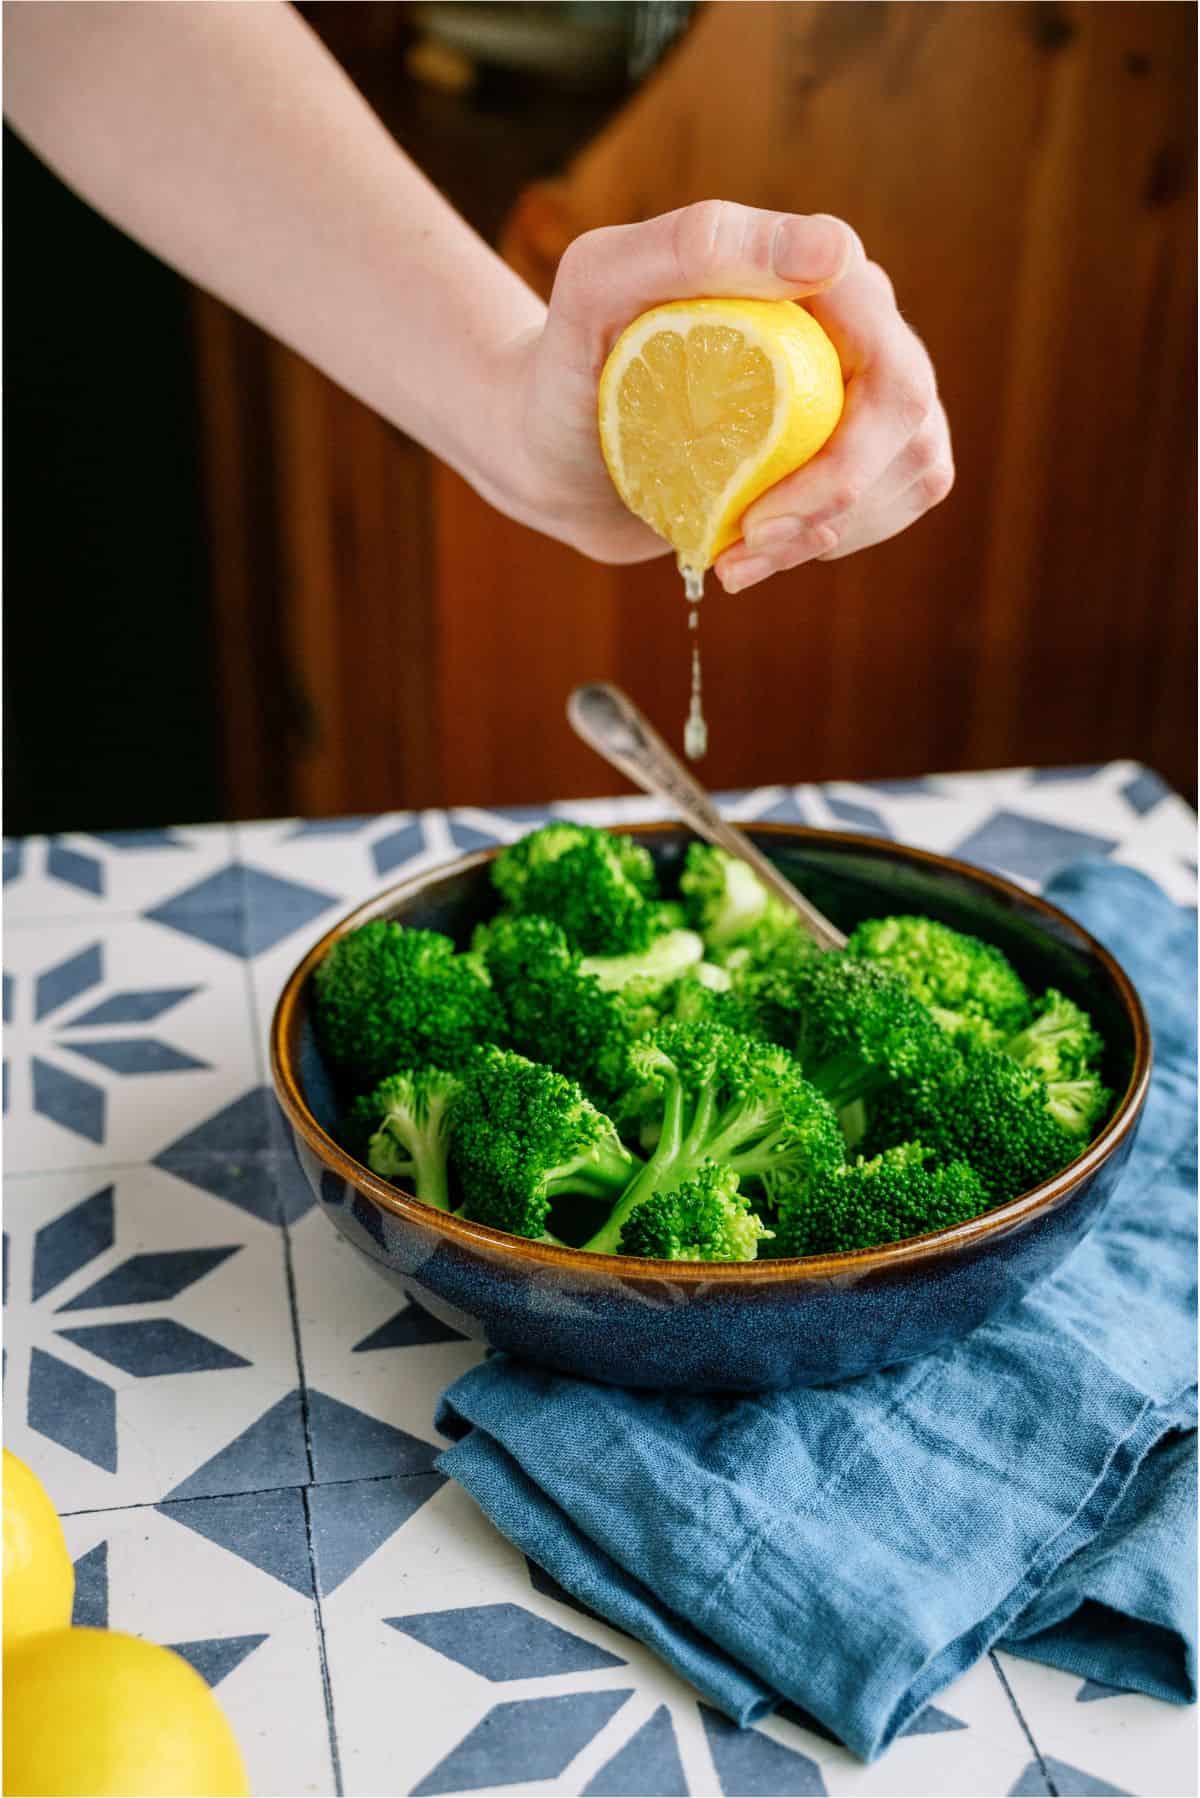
{"x":610,"y":723}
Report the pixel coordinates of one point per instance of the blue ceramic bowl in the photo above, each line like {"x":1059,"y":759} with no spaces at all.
{"x":736,"y":1326}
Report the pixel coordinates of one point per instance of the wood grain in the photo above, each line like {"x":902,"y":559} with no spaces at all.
{"x":1026,"y":175}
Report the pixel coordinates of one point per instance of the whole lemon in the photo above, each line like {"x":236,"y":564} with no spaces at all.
{"x":39,"y":1580}
{"x":91,"y":1713}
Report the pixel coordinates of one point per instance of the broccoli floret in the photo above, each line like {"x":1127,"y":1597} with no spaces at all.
{"x":1079,"y":1105}
{"x":1061,"y":1042}
{"x":722,"y":895}
{"x":778,"y":943}
{"x":744,"y":926}
{"x":853,"y":1026}
{"x":893,"y":1196}
{"x":987,"y":1110}
{"x":720,"y":1097}
{"x":970,"y":987}
{"x":388,"y":997}
{"x":705,"y":1218}
{"x":667,"y":958}
{"x":643,"y":1004}
{"x":1065,"y":1048}
{"x":601,"y":889}
{"x":521,"y":1135}
{"x":554,"y":1012}
{"x":402,"y":1130}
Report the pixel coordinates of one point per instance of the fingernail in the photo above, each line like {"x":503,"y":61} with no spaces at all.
{"x":766,"y":533}
{"x":811,"y":249}
{"x":745,"y":573}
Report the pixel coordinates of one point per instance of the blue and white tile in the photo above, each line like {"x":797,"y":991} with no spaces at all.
{"x":337,"y":870}
{"x":379,"y":1362}
{"x":926,"y":816}
{"x":119,"y":1037}
{"x":1094,"y":1740}
{"x":1162,"y":843}
{"x":968,"y":1741}
{"x":252,"y":1635}
{"x":351,"y":858}
{"x":1092,"y":799}
{"x":149,"y":1342}
{"x":444,"y":1611}
{"x":492,"y":1665}
{"x":118,"y":873}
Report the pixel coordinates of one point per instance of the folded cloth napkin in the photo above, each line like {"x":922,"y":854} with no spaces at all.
{"x":851,"y":1549}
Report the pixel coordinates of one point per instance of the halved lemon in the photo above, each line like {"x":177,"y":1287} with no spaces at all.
{"x":704,"y":404}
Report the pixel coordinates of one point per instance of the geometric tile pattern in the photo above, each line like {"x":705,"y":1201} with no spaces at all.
{"x":407,"y":1329}
{"x":503,"y":1641}
{"x":236,"y":1414}
{"x":648,"y":1764}
{"x":749,"y":1763}
{"x":350,"y":1520}
{"x":523,"y":1740}
{"x":90,"y":1609}
{"x":156,"y":1345}
{"x":217,"y":1656}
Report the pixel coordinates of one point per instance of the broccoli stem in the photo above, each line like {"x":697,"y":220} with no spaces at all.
{"x":603,"y":1174}
{"x":429,"y":1167}
{"x":672,"y":1155}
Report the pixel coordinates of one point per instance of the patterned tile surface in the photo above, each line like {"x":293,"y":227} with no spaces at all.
{"x":235,"y":1412}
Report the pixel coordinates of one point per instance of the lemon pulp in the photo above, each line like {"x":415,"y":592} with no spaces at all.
{"x":704,"y":404}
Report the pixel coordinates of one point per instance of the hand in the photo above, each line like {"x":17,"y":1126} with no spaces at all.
{"x":887,"y":463}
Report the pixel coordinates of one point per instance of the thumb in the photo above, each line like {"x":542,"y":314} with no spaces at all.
{"x":711,"y":249}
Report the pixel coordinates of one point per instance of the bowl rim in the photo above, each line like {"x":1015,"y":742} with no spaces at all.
{"x":975,"y":1232}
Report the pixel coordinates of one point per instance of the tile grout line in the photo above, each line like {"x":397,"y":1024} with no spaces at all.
{"x":261,"y":1070}
{"x":322,"y":1652}
{"x":1020,"y":1716}
{"x":155,"y":1504}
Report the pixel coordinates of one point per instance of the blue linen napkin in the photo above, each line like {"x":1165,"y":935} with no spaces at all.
{"x":852,"y":1549}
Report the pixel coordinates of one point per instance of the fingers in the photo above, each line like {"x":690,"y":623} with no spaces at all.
{"x":891,"y":396}
{"x":920,"y":477}
{"x":607,"y":277}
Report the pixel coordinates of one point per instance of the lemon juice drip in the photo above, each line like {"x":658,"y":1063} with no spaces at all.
{"x":695,"y":729}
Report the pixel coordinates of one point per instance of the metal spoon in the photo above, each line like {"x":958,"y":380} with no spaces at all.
{"x":610,"y":723}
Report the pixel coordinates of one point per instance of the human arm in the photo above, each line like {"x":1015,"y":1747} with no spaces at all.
{"x":227,"y":140}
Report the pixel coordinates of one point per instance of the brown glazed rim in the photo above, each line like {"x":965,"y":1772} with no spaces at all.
{"x":977,"y":1232}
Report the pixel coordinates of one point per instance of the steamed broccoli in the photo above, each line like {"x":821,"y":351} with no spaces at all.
{"x":1063,"y":1046}
{"x":853,"y":1026}
{"x":403,"y":1131}
{"x":712,"y":1032}
{"x":388,"y":997}
{"x":723,"y":896}
{"x":521,"y":1135}
{"x":893,"y":1196}
{"x":705,"y":1218}
{"x":987,"y":1110}
{"x":777,"y":943}
{"x":665,"y":959}
{"x":711,"y":1095}
{"x":970,"y":987}
{"x":555,"y":1013}
{"x":744,"y":926}
{"x":601,"y":889}
{"x":1060,"y":1042}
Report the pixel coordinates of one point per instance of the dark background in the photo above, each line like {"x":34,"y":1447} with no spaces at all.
{"x":231,"y":591}
{"x":109,"y":714}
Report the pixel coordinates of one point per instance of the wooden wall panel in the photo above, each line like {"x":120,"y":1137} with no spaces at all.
{"x":321,"y":517}
{"x":1025,"y":173}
